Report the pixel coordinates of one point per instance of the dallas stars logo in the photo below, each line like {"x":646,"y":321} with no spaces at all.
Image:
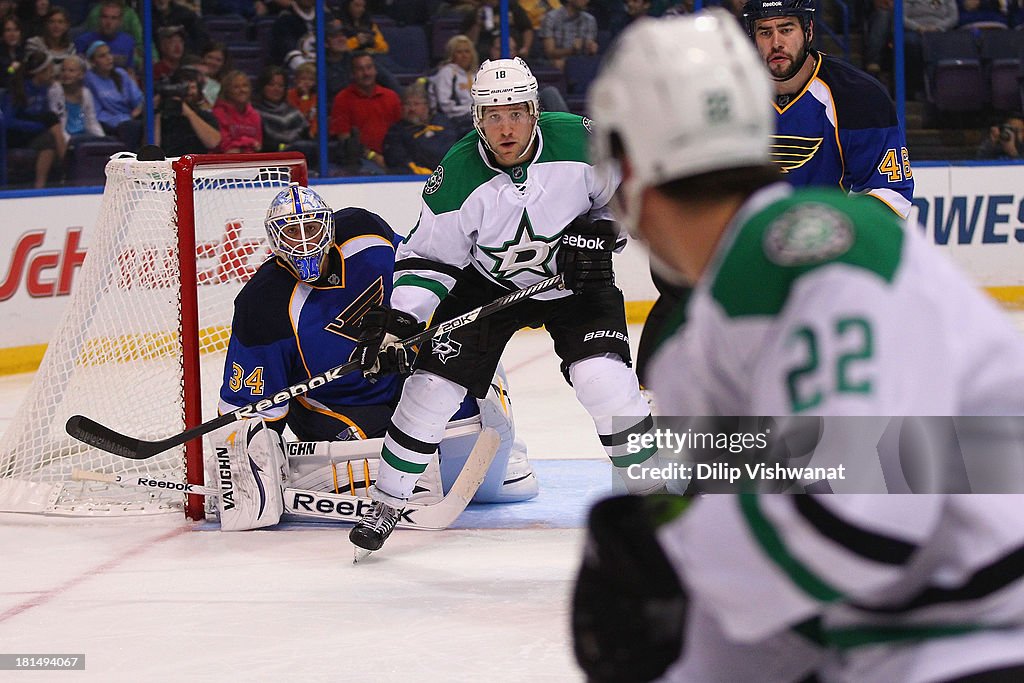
{"x":524,"y":253}
{"x":444,"y":347}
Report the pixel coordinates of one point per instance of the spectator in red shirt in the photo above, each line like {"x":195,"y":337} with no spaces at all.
{"x":365,"y":109}
{"x":241,"y":127}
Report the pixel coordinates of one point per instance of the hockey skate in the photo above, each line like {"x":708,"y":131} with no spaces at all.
{"x":374,"y":527}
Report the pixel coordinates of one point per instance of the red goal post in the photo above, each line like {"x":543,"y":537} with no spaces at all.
{"x":142,"y":342}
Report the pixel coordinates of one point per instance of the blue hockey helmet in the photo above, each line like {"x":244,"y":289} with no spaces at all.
{"x":764,"y":9}
{"x":300,"y":227}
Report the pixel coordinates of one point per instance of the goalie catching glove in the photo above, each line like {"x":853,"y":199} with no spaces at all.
{"x":585,"y":254}
{"x":379,"y":349}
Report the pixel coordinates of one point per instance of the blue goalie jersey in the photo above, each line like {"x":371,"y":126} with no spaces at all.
{"x":841,"y":130}
{"x":285,"y":330}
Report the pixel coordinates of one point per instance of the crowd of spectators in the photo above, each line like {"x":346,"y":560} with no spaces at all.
{"x":204,"y":102}
{"x":382,"y":119}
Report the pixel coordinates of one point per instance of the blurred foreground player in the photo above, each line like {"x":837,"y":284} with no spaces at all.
{"x":299,"y":315}
{"x":806,"y":302}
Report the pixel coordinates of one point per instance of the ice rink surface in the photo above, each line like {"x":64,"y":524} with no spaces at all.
{"x":160,"y":600}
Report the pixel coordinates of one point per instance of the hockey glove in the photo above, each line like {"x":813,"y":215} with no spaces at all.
{"x":585,"y":255}
{"x":379,"y":349}
{"x":629,"y":606}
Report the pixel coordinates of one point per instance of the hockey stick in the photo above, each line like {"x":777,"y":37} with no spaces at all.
{"x":106,"y":439}
{"x":339,"y":507}
{"x":143,"y":482}
{"x":434,"y":516}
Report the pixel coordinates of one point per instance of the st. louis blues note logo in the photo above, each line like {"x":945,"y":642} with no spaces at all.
{"x":790,"y":152}
{"x":444,"y":348}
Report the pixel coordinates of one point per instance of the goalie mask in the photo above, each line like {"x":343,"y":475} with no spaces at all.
{"x":300,"y":227}
{"x":501,"y":82}
{"x":714,"y":111}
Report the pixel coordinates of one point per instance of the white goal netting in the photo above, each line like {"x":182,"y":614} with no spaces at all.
{"x":121,"y":354}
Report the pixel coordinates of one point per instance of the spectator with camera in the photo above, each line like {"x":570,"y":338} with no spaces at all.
{"x":184,"y":122}
{"x":1004,"y":141}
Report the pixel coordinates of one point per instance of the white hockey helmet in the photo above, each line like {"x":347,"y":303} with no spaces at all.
{"x":682,"y":96}
{"x":306,"y":249}
{"x":500,"y":82}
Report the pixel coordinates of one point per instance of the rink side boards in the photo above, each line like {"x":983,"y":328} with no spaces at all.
{"x":975,"y":211}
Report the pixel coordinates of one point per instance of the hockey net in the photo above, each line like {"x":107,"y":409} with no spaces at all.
{"x":141,"y":347}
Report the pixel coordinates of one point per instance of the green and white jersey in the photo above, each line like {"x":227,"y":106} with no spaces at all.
{"x":504,"y":222}
{"x":913,"y":588}
{"x":818,"y":303}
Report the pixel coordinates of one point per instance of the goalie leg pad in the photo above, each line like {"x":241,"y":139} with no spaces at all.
{"x":251,"y":470}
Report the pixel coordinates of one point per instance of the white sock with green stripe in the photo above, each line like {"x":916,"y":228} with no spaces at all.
{"x":427,"y":403}
{"x":610,"y":392}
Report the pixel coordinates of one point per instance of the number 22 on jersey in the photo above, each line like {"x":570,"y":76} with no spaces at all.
{"x":809,"y":381}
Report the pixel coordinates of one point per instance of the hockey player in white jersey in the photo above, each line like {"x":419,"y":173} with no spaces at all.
{"x":511,"y":204}
{"x":806,"y":302}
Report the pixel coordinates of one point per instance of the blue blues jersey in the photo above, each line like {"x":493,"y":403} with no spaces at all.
{"x":285,"y":330}
{"x":841,"y":130}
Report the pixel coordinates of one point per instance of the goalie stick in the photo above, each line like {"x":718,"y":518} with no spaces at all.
{"x":344,"y":508}
{"x":106,"y":439}
{"x":434,"y":516}
{"x":143,"y":482}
